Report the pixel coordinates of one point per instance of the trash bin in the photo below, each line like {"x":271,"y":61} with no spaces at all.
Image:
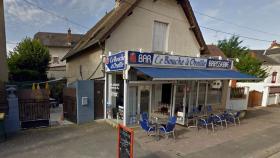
{"x":3,"y":135}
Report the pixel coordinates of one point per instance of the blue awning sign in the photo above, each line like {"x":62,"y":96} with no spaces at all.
{"x":218,"y":64}
{"x":184,"y":61}
{"x":116,"y":62}
{"x":140,"y":58}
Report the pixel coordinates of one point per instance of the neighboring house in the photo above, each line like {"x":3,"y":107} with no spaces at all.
{"x":215,"y":51}
{"x":162,"y":26}
{"x":270,"y":86}
{"x":59,"y":44}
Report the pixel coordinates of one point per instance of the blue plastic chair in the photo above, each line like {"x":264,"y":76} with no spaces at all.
{"x":209,"y":109}
{"x":169,"y":128}
{"x":145,"y":116}
{"x":146,"y":127}
{"x":235,"y":117}
{"x":206,"y":122}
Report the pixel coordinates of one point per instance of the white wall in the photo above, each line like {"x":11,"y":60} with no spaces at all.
{"x":58,"y":52}
{"x":271,"y":99}
{"x":136,"y":30}
{"x":270,"y":70}
{"x":238,"y":103}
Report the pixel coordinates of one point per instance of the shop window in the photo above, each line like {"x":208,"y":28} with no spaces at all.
{"x":274,"y":76}
{"x":55,"y":60}
{"x":160,"y":36}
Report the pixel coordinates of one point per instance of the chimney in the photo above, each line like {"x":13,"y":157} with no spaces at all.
{"x":117,"y":3}
{"x":274,"y":44}
{"x":69,"y":37}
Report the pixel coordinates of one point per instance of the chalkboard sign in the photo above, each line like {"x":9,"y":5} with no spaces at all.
{"x":125,"y":142}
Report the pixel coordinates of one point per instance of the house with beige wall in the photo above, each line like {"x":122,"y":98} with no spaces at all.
{"x":166,"y":26}
{"x":58,"y":44}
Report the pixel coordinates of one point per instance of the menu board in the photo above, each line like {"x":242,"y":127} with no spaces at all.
{"x":125,"y":142}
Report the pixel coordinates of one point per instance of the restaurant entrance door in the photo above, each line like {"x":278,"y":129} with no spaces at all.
{"x":144,"y":99}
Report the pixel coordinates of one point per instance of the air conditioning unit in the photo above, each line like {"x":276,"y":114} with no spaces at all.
{"x":217,"y":84}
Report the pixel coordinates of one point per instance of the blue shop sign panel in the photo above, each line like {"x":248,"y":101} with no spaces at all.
{"x":181,"y":61}
{"x":116,"y":62}
{"x":140,"y":58}
{"x":218,"y":64}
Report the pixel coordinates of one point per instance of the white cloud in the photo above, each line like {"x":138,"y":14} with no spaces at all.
{"x":17,"y":10}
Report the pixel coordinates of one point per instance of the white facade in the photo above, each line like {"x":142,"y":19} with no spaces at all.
{"x":57,"y":68}
{"x":267,"y":98}
{"x":136,"y":31}
{"x":270,"y":69}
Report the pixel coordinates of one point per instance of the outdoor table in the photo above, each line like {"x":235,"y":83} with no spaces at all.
{"x":2,"y":127}
{"x":157,"y":122}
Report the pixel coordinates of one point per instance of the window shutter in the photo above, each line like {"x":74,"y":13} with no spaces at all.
{"x":160,"y":36}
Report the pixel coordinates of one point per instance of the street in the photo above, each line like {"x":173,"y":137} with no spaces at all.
{"x":257,"y":136}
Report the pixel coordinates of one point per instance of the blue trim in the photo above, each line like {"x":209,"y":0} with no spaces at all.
{"x":176,"y":73}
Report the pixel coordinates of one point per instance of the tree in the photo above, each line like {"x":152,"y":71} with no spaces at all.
{"x":28,"y":61}
{"x":246,"y":64}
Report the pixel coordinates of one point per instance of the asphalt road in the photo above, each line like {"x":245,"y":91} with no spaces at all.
{"x":259,"y":137}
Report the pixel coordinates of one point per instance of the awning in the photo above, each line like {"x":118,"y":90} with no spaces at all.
{"x":193,"y":74}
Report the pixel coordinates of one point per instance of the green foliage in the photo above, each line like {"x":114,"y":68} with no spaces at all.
{"x":28,"y":61}
{"x":247,"y":64}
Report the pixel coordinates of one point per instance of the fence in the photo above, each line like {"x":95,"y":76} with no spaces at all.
{"x":237,"y":93}
{"x":34,"y":108}
{"x":70,"y":104}
{"x":34,"y":112}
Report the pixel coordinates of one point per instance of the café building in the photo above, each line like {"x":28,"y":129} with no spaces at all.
{"x":164,"y":84}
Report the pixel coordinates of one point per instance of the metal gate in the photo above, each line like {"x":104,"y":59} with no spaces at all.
{"x":70,"y":104}
{"x":255,"y":99}
{"x":34,"y":108}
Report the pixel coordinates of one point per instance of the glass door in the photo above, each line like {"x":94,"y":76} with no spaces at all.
{"x":144,"y":99}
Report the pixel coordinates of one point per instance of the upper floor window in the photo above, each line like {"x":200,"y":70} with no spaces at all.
{"x":55,"y":60}
{"x":274,"y":76}
{"x":160,"y":36}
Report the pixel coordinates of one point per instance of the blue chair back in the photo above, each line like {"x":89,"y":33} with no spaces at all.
{"x":237,"y":114}
{"x":172,"y":119}
{"x":144,"y":125}
{"x":209,"y":108}
{"x":145,"y":116}
{"x":195,"y":110}
{"x":170,"y":126}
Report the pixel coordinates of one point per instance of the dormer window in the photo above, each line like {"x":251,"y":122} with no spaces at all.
{"x":273,"y":78}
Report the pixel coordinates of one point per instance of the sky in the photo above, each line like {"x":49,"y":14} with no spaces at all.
{"x":257,"y":19}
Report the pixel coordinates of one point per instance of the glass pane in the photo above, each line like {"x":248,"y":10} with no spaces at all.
{"x":179,"y":99}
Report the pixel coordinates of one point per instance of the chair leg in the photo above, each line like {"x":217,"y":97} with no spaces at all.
{"x":226,"y":123}
{"x":222,"y":125}
{"x":212,"y":127}
{"x":238,"y":120}
{"x":173,"y":135}
{"x":206,"y":128}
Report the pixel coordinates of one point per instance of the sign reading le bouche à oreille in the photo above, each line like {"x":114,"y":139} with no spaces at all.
{"x":116,"y":62}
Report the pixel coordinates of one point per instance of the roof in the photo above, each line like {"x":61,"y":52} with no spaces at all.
{"x":213,"y":50}
{"x":266,"y":60}
{"x":193,"y":74}
{"x":98,"y":34}
{"x":51,"y":39}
